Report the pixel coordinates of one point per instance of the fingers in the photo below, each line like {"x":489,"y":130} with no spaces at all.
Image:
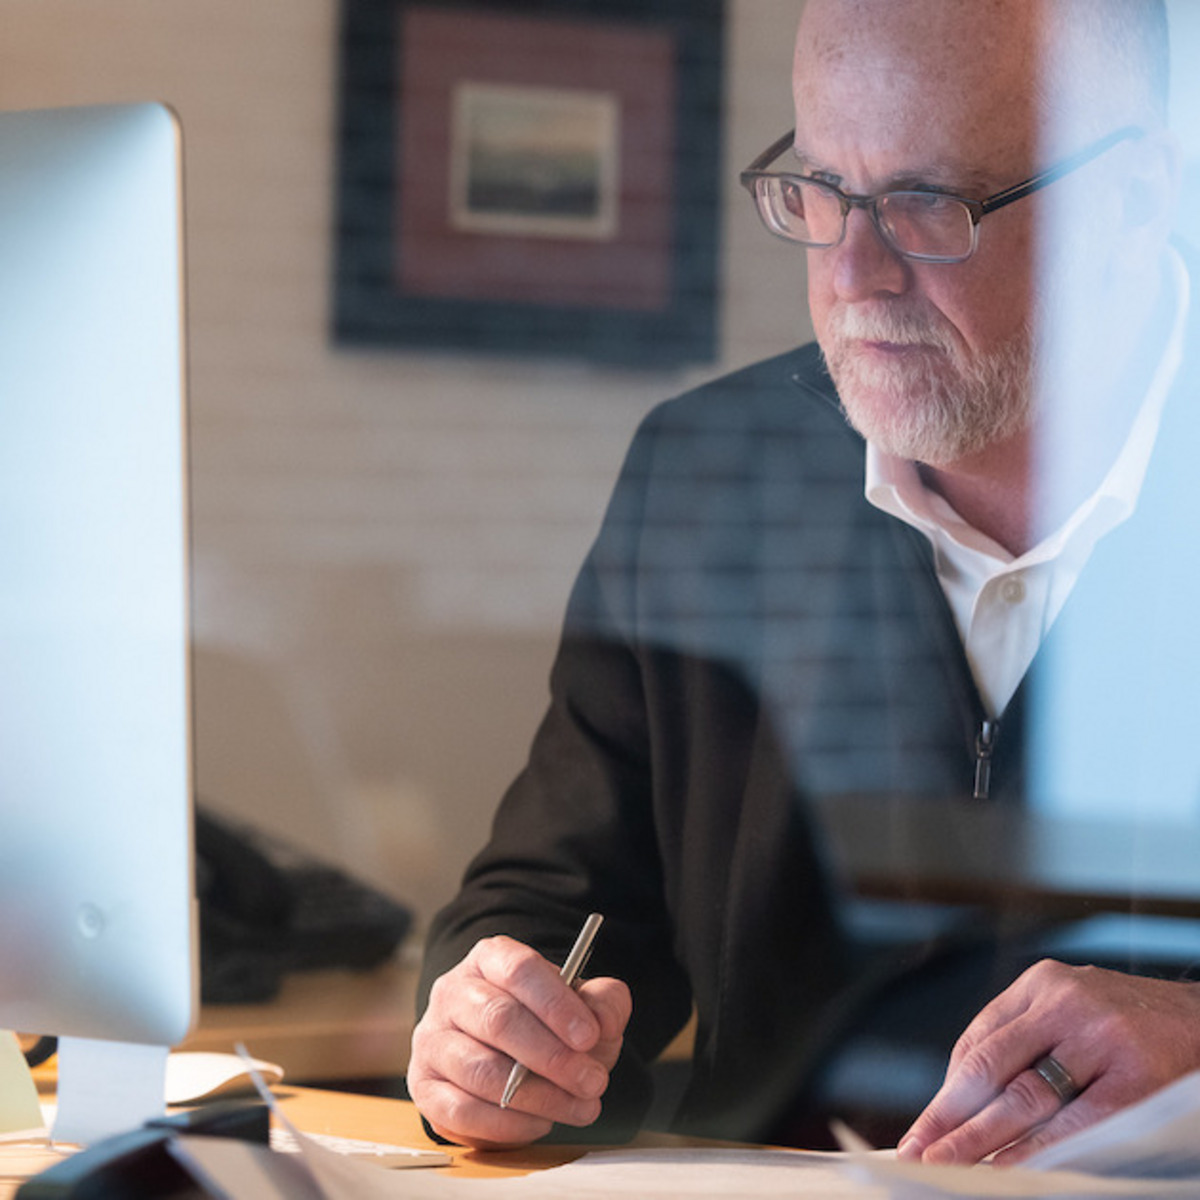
{"x":1111,"y":1040}
{"x":461,"y":1118}
{"x":458,"y":1090}
{"x":612,"y":1006}
{"x":990,"y":1056}
{"x":503,"y":1004}
{"x":512,"y":1000}
{"x":509,"y":971}
{"x":1078,"y":1114}
{"x":993,"y":1096}
{"x":975,"y":1114}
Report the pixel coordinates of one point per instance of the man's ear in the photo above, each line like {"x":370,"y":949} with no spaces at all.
{"x":1150,"y":197}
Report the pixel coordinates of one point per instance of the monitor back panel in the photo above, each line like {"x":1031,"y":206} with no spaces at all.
{"x":96,"y":910}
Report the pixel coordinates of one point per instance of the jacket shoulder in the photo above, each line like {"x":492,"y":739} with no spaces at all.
{"x":786,"y":399}
{"x":792,"y":386}
{"x":788,"y":395}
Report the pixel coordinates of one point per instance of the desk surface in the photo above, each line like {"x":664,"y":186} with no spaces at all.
{"x":382,"y":1120}
{"x":323,"y":1025}
{"x":378,"y":1119}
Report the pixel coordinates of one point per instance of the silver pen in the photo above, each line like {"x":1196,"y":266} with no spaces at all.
{"x":569,"y":974}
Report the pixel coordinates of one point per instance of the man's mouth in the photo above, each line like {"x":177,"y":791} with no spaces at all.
{"x":890,"y":349}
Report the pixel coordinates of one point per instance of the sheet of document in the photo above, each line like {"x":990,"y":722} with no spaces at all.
{"x":1143,"y":1152}
{"x":1158,"y":1137}
{"x":684,"y":1174}
{"x":1146,"y":1152}
{"x":912,"y":1181}
{"x":241,"y":1171}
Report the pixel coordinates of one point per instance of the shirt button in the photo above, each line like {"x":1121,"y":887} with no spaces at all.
{"x":1012,"y":590}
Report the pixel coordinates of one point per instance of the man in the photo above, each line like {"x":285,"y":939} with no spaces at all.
{"x":750,"y":629}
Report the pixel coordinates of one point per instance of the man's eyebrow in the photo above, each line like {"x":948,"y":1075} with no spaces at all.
{"x":958,"y":179}
{"x":809,"y":166}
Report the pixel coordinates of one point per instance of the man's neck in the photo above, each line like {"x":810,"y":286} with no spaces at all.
{"x":992,"y":492}
{"x":1021,"y":490}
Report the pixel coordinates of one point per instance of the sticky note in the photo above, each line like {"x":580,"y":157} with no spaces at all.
{"x":19,"y":1108}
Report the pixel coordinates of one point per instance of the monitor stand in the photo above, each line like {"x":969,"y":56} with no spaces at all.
{"x":107,"y":1087}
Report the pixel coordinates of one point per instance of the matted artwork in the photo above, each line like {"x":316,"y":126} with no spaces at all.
{"x":541,"y":162}
{"x":530,"y":177}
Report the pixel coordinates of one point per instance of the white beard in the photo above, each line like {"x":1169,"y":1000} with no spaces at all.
{"x":937,"y":407}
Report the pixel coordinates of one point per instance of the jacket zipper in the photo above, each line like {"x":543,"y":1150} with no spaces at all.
{"x":985,"y":747}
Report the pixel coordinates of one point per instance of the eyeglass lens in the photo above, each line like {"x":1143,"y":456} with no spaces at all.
{"x":923,"y":224}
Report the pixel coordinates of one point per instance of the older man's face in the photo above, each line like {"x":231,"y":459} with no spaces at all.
{"x":932,"y":361}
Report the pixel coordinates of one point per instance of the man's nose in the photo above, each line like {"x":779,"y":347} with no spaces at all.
{"x":866,"y":265}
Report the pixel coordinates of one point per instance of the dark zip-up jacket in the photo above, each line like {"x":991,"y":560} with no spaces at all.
{"x":747,"y":632}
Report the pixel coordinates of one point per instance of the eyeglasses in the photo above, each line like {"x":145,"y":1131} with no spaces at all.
{"x":924,"y":224}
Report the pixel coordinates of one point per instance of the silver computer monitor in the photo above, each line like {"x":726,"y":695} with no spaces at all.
{"x":97,"y":923}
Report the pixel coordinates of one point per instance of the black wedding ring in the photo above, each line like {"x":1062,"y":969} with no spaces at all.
{"x":1062,"y":1082}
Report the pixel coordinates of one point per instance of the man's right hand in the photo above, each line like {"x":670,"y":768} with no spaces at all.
{"x":503,"y":1003}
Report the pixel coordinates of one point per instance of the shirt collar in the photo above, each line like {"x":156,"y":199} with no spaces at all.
{"x":894,"y":484}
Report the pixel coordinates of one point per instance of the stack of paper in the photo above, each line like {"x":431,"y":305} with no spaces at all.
{"x":1146,"y":1152}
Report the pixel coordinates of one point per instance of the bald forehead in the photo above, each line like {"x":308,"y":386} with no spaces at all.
{"x":949,"y":85}
{"x":984,"y":47}
{"x":946,"y":29}
{"x":1077,"y":67}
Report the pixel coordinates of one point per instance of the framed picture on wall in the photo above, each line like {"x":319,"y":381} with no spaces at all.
{"x":532,"y":177}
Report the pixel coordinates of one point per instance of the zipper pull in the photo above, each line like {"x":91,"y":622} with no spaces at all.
{"x":985,"y":745}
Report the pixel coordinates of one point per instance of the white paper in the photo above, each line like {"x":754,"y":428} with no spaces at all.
{"x":378,"y":1154}
{"x":648,"y":1175}
{"x":916,"y":1181}
{"x":1160,"y":1132}
{"x":684,"y":1174}
{"x":1158,"y":1137}
{"x":1143,"y":1152}
{"x":204,"y":1075}
{"x":107,"y":1087}
{"x":341,"y":1177}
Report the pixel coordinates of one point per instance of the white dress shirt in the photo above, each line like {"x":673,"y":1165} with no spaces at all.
{"x":1004,"y":605}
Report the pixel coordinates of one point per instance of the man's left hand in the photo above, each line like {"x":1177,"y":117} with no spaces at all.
{"x":1115,"y":1037}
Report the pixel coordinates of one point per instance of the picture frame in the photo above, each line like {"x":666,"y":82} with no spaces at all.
{"x":530,"y":177}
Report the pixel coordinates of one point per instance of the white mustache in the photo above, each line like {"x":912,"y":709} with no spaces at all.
{"x":884,"y":325}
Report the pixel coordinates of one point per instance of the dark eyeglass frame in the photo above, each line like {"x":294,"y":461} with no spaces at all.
{"x":977,"y":209}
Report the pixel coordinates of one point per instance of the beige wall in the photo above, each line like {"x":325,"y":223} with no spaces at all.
{"x":383,"y":541}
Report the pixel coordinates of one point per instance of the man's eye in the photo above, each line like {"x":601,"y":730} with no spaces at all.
{"x":924,"y":205}
{"x":793,"y":198}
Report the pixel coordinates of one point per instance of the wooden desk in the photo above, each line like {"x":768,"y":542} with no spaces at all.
{"x":384,"y":1120}
{"x":323,"y":1025}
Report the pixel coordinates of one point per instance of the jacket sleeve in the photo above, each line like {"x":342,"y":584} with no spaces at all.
{"x":576,"y":832}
